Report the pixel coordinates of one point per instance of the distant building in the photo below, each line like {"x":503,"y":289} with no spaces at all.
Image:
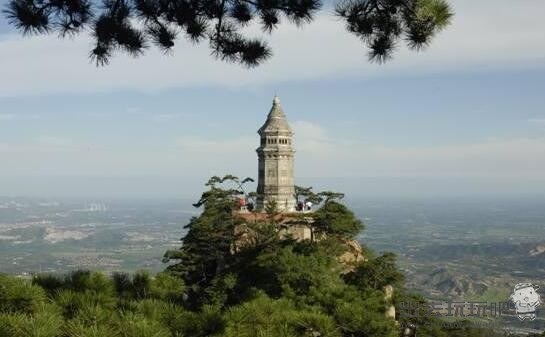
{"x":275,"y":155}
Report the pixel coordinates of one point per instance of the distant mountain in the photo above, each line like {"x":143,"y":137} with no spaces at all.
{"x":448,"y":282}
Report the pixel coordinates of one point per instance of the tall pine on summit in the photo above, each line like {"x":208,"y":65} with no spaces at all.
{"x":131,"y":25}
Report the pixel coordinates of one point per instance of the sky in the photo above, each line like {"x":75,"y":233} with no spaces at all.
{"x":464,"y":117}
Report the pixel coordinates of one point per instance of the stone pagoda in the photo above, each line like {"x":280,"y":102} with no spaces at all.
{"x":275,"y":154}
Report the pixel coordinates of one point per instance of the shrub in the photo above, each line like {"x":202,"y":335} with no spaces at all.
{"x":167,"y":287}
{"x":335,"y":218}
{"x":49,"y":282}
{"x":18,"y":295}
{"x":133,"y":325}
{"x":45,"y":322}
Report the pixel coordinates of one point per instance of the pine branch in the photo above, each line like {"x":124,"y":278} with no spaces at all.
{"x":129,"y":25}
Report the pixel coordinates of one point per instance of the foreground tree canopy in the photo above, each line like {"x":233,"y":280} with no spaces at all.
{"x":131,"y":25}
{"x":270,"y":288}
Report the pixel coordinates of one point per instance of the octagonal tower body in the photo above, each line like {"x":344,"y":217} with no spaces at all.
{"x":275,"y":155}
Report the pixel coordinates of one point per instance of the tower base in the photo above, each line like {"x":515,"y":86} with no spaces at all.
{"x":285,"y":204}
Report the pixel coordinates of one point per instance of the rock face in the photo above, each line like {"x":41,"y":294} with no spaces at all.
{"x":298,"y":227}
{"x":291,"y":225}
{"x":389,"y":295}
{"x":537,"y":250}
{"x":352,"y":256}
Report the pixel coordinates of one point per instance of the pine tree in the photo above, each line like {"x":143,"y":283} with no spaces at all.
{"x":206,"y":253}
{"x":334,"y":218}
{"x":131,"y":25}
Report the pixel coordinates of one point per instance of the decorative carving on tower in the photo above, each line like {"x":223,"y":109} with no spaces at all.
{"x":275,"y":155}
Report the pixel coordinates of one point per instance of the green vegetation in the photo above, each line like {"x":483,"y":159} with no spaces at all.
{"x":226,"y":282}
{"x":131,"y":25}
{"x":334,"y":218}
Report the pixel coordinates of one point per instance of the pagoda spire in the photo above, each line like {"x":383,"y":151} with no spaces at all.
{"x":276,"y":120}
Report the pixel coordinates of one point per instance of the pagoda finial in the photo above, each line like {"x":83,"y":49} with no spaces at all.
{"x":276,"y":100}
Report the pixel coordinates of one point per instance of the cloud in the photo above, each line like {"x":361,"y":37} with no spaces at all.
{"x":7,"y":116}
{"x":509,"y":38}
{"x":322,"y":156}
{"x":216,"y":146}
{"x":537,"y":121}
{"x":317,"y":155}
{"x":45,"y":144}
{"x":50,"y":165}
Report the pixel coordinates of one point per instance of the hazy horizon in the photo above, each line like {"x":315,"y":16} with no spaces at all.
{"x":465,"y":116}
